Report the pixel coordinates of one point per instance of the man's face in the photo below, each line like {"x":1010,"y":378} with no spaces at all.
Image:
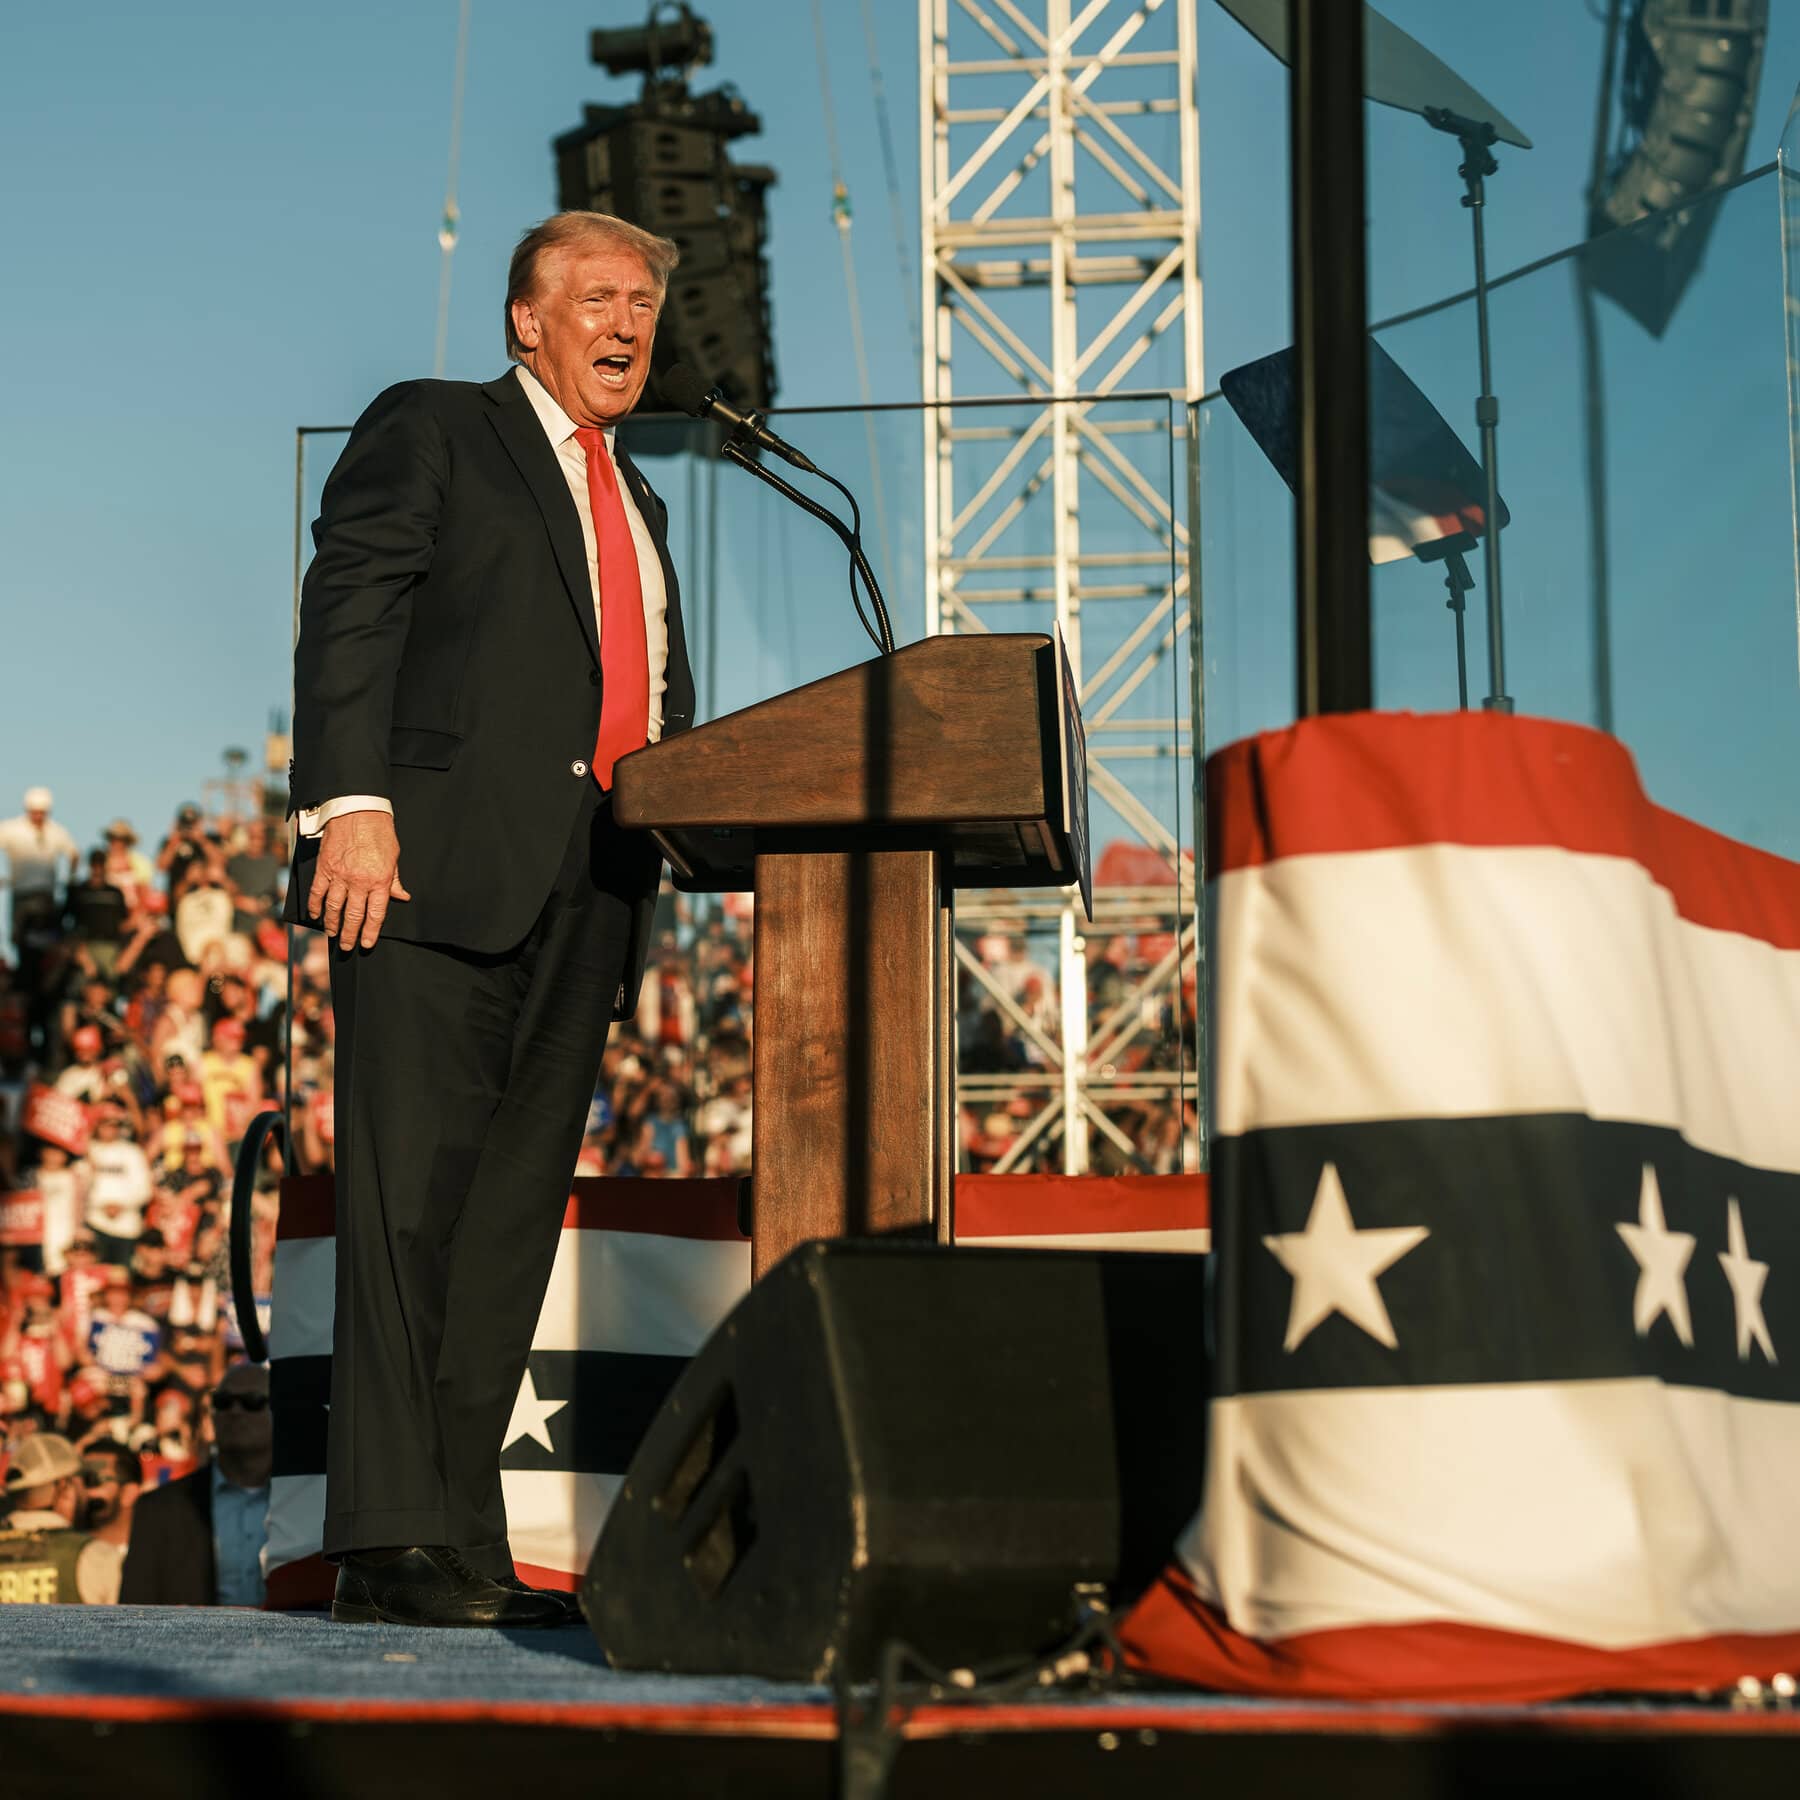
{"x":107,"y":1496}
{"x":241,"y":1419}
{"x":588,"y":328}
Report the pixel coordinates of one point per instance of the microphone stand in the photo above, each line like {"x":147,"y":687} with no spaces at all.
{"x":734,"y":452}
{"x":1476,"y":136}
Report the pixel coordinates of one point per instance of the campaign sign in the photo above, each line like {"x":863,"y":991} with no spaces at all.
{"x":57,"y":1119}
{"x":21,"y":1219}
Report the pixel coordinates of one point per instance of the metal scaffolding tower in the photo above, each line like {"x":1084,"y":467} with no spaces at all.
{"x":1060,"y":216}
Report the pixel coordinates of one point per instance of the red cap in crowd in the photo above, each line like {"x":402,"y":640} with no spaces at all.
{"x":228,"y":1034}
{"x":86,"y":1040}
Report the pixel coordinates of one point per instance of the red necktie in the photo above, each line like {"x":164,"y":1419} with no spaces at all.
{"x":624,"y":652}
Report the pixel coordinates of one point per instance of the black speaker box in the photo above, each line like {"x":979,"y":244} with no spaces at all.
{"x":890,"y":1440}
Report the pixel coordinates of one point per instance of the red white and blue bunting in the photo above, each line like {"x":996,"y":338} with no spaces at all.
{"x":1506,"y":1193}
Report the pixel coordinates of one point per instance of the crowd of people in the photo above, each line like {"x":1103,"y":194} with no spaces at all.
{"x":140,"y":1032}
{"x":144,"y":1022}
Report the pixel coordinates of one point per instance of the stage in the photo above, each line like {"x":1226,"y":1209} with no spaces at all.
{"x":166,"y":1701}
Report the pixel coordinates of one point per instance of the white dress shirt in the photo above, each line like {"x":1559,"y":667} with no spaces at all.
{"x":560,"y":429}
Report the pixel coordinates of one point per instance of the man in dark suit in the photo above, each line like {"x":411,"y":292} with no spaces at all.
{"x":491,"y":619}
{"x":198,"y":1541}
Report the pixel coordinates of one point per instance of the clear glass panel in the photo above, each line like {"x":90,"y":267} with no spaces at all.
{"x":766,"y":598}
{"x":1679,"y":635}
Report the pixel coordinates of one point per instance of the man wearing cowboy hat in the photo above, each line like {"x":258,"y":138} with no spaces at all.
{"x":127,"y":867}
{"x":43,"y":1557}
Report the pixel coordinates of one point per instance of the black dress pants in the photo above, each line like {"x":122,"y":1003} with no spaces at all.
{"x":463,"y":1085}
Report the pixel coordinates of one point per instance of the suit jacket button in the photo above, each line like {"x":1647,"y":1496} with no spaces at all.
{"x":577,"y":768}
{"x":593,"y":677}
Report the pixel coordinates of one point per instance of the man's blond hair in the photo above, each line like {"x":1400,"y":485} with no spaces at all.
{"x":565,"y":230}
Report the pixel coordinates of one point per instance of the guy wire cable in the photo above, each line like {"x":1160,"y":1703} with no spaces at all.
{"x":840,"y":212}
{"x":448,"y":224}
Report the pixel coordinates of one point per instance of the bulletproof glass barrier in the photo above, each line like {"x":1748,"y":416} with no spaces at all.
{"x":1077,"y":1037}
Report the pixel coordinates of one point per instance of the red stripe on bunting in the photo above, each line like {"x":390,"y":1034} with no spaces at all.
{"x":560,"y":1581}
{"x":1386,"y":781}
{"x":706,"y":1207}
{"x":1079,"y":1205}
{"x":303,"y":1585}
{"x":1175,"y":1633}
{"x":308,"y":1208}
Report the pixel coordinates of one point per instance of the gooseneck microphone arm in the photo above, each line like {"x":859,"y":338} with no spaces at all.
{"x":682,"y":388}
{"x":882,"y":631}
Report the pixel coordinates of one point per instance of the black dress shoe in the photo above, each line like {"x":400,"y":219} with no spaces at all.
{"x":571,"y":1607}
{"x":432,"y":1585}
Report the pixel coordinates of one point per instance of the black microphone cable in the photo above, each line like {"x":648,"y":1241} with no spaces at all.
{"x":683,"y":389}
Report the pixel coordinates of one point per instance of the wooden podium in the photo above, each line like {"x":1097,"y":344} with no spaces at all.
{"x":854,"y":807}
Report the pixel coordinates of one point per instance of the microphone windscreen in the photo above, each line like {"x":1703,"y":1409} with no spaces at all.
{"x":682,"y":389}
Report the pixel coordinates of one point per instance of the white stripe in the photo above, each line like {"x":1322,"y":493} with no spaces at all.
{"x":632,"y":1291}
{"x":1193,"y":1237}
{"x":553,"y":1516}
{"x":1444,"y":982}
{"x":296,"y":1519}
{"x":609,"y":1290}
{"x":305,"y":1276}
{"x":1607,"y":1513}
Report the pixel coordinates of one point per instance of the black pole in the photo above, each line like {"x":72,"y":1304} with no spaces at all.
{"x":1331,"y":359}
{"x":1487,"y":418}
{"x":1593,"y":390}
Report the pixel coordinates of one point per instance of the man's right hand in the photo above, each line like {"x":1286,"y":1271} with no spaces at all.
{"x":357,"y":874}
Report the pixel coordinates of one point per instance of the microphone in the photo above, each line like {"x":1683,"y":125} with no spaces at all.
{"x":687,"y":392}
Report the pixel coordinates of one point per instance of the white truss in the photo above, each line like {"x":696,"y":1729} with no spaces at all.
{"x":1060,"y":217}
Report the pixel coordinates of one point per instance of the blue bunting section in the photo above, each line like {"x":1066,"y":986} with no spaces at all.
{"x":646,"y":1269}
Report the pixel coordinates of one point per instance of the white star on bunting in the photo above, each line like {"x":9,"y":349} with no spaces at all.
{"x":1334,"y":1265}
{"x":1746,"y":1277}
{"x":1662,"y":1259}
{"x":531,"y":1416}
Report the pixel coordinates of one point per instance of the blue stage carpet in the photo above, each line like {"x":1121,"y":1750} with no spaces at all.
{"x":225,"y":1654}
{"x":189,"y":1704}
{"x":192,"y":1660}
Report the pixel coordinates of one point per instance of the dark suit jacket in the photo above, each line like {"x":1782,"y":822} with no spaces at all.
{"x":170,"y":1561}
{"x":448,"y":660}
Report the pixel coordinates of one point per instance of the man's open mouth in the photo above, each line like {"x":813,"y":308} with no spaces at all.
{"x":612,"y":368}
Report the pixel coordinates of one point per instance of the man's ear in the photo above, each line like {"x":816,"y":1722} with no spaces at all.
{"x":525,"y":325}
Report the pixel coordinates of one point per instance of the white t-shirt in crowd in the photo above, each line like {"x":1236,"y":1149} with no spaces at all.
{"x":119,"y":1187}
{"x":36,"y":855}
{"x":202,"y":917}
{"x":61,"y":1190}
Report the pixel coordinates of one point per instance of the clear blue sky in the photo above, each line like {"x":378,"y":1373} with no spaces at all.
{"x":219,"y":222}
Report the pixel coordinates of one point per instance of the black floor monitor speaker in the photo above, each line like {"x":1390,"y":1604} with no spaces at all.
{"x":890,"y":1440}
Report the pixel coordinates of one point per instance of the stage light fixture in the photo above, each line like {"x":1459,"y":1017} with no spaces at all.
{"x":661,"y":42}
